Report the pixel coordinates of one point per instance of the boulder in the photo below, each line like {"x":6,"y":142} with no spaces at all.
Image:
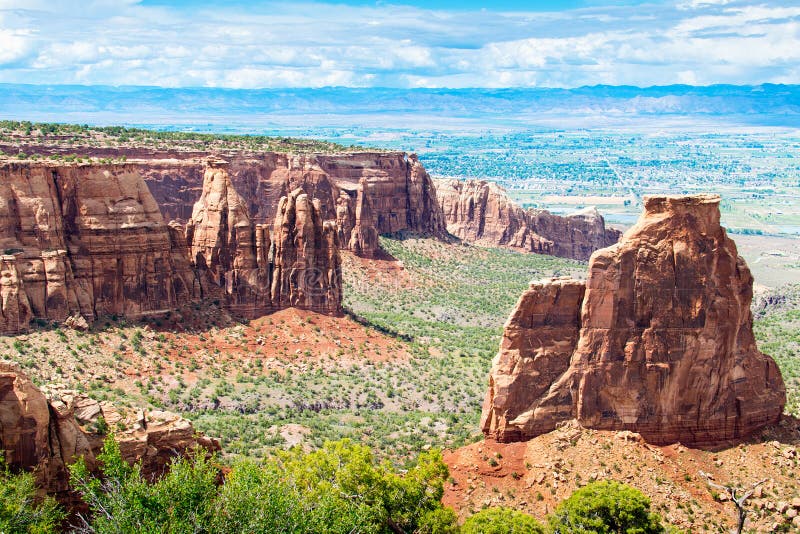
{"x":665,"y":345}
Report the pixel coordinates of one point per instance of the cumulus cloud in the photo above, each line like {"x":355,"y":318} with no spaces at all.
{"x":290,"y":44}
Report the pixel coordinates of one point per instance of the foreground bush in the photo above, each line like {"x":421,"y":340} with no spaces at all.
{"x":337,"y":489}
{"x":606,"y":507}
{"x":122,"y":501}
{"x":501,"y":521}
{"x":20,"y":510}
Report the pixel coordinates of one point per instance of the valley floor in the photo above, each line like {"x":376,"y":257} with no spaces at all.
{"x":405,"y":371}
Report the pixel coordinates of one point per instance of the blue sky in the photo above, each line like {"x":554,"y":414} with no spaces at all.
{"x":444,"y":43}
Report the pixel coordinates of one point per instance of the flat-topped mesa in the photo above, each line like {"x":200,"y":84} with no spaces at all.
{"x":663,"y":345}
{"x":481,"y":212}
{"x":366,"y":193}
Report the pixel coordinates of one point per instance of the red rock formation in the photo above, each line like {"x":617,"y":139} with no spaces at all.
{"x":391,"y":190}
{"x":16,"y":309}
{"x":29,"y":436}
{"x":538,"y":341}
{"x":47,"y":430}
{"x":89,"y":240}
{"x":665,"y":348}
{"x":481,"y":212}
{"x":307,"y":269}
{"x":236,"y":260}
{"x":364,"y":237}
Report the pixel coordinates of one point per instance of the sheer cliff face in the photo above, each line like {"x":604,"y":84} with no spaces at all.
{"x":482,"y":212}
{"x":307,"y":270}
{"x":90,"y":240}
{"x":658,"y":340}
{"x":83,"y":240}
{"x":367,"y":194}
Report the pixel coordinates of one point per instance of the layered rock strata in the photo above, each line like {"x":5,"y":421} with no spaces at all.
{"x":367,"y":194}
{"x":658,"y":340}
{"x":85,"y":240}
{"x":481,"y":212}
{"x":90,"y":241}
{"x":47,"y":431}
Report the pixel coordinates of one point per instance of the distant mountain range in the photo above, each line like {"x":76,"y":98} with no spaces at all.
{"x":767,"y":105}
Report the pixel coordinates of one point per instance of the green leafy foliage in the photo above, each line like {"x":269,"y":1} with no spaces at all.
{"x":606,"y":507}
{"x":777,"y":331}
{"x":337,"y":489}
{"x":20,"y":509}
{"x":501,"y":520}
{"x":122,"y":501}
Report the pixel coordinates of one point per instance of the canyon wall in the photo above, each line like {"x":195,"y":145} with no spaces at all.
{"x":658,"y":340}
{"x":85,"y":240}
{"x":481,"y":212}
{"x":367,"y":194}
{"x":90,"y":240}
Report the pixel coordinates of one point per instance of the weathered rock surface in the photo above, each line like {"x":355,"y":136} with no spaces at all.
{"x":307,"y":269}
{"x":47,"y":430}
{"x":83,"y":241}
{"x":664,"y":344}
{"x":238,"y":261}
{"x":538,"y":341}
{"x":481,"y":212}
{"x":367,"y":193}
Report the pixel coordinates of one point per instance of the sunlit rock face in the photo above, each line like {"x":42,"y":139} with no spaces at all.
{"x":90,"y":241}
{"x":658,"y":340}
{"x":366,"y":193}
{"x":87,"y":240}
{"x":481,"y":212}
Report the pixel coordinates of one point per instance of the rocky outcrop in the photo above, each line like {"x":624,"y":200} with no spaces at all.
{"x":16,"y":309}
{"x":255,"y":274}
{"x":84,"y":241}
{"x":481,"y":212}
{"x":660,"y":343}
{"x":47,"y":430}
{"x":307,"y":268}
{"x":367,"y":194}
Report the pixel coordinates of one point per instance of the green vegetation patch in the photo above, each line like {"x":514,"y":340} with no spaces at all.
{"x":777,"y":331}
{"x":76,"y":135}
{"x":449,"y":318}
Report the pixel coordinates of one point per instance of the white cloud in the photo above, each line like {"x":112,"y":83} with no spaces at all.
{"x":295,"y":44}
{"x":15,"y":45}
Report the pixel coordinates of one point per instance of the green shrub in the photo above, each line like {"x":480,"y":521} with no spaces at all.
{"x":337,"y":489}
{"x":606,"y":507}
{"x":346,"y":477}
{"x":501,"y":521}
{"x":20,"y":510}
{"x":121,"y":501}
